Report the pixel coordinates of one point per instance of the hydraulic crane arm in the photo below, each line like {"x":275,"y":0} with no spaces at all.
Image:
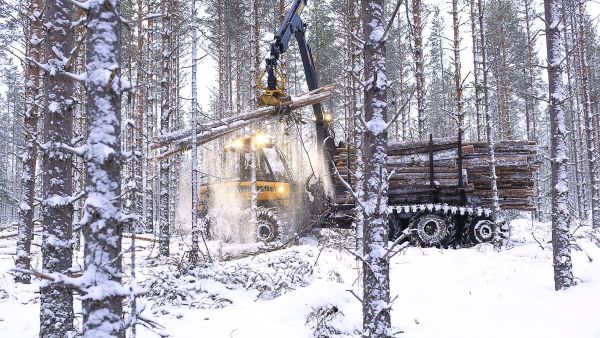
{"x":293,"y":25}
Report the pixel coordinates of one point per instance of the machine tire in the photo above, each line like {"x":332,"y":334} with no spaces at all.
{"x":481,"y":230}
{"x":429,"y":229}
{"x":450,"y":240}
{"x":268,"y":228}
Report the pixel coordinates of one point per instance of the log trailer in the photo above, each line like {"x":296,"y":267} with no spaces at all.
{"x":439,"y":192}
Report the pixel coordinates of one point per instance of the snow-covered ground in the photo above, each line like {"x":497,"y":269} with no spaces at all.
{"x":303,"y":291}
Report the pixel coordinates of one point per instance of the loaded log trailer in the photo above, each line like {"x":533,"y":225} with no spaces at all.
{"x":440,"y":191}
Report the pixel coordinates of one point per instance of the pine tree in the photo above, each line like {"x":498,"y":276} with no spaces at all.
{"x":29,"y":157}
{"x":418,"y":25}
{"x":563,"y":274}
{"x":165,"y":120}
{"x":103,"y":219}
{"x":588,"y":117}
{"x":476,"y":70}
{"x":195,"y":230}
{"x":376,"y":287}
{"x":56,"y":310}
{"x":440,"y":93}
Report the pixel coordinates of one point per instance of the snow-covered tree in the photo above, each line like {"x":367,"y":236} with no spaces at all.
{"x":563,"y":273}
{"x":29,"y":155}
{"x":56,"y":309}
{"x":103,"y":220}
{"x":376,"y":283}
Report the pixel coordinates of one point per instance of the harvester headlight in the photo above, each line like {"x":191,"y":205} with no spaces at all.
{"x":327,"y":117}
{"x":281,"y":189}
{"x":261,"y":140}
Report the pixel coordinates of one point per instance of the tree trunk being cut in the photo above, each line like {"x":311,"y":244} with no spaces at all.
{"x":181,"y":140}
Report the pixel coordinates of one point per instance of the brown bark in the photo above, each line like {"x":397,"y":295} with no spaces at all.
{"x":56,"y":314}
{"x":419,"y":67}
{"x":32,"y":92}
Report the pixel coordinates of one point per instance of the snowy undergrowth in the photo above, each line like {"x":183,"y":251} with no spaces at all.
{"x":467,"y":293}
{"x":217,"y":285}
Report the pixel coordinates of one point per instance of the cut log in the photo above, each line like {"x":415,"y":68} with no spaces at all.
{"x":179,"y":141}
{"x":410,"y":181}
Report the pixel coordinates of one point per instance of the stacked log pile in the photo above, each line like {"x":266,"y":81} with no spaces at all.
{"x":409,"y":165}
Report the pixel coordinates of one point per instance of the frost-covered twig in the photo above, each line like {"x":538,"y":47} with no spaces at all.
{"x":355,"y":295}
{"x":396,"y":242}
{"x":538,"y":242}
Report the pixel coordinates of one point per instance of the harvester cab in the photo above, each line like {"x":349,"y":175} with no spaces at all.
{"x":275,"y":188}
{"x":273,"y":178}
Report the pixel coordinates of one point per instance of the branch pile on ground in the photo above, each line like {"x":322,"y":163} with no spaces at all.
{"x":410,"y":182}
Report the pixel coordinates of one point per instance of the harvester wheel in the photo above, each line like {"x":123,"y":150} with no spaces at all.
{"x":429,"y":229}
{"x":482,"y":230}
{"x":268,"y":227}
{"x":452,"y":231}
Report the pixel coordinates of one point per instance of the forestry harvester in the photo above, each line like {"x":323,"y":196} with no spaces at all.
{"x":440,"y":191}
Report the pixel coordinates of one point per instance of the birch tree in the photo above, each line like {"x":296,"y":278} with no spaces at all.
{"x":376,"y":287}
{"x":56,"y":308}
{"x":563,"y":270}
{"x":103,"y":220}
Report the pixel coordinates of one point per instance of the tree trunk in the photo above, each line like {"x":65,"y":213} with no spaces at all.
{"x":419,"y":67}
{"x":140,"y":102}
{"x":376,"y":287}
{"x":357,"y":111}
{"x":588,"y":118}
{"x":254,"y":49}
{"x":575,"y":137}
{"x":563,"y":270}
{"x":195,"y":230}
{"x":150,"y":120}
{"x":476,"y":85}
{"x":457,"y":64}
{"x":56,"y":311}
{"x":489,"y":121}
{"x":32,"y":92}
{"x":165,"y":117}
{"x":103,"y":219}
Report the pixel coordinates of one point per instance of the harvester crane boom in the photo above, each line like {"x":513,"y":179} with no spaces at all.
{"x":293,"y":25}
